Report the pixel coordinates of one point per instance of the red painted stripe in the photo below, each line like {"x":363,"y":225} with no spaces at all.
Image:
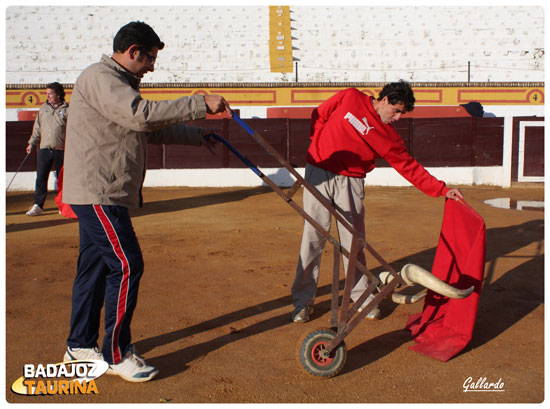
{"x":123,"y":290}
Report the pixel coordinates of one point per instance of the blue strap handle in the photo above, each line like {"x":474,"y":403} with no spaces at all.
{"x":236,"y":152}
{"x":242,"y":124}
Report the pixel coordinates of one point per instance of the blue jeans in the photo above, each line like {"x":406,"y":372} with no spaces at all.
{"x":46,"y":159}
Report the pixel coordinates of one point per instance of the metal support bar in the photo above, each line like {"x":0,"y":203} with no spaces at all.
{"x":350,"y":278}
{"x":335,"y":280}
{"x":294,"y":188}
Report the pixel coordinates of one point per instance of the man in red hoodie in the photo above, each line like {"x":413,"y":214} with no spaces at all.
{"x":348,"y":132}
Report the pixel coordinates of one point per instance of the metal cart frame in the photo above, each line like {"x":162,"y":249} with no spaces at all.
{"x":323,"y":352}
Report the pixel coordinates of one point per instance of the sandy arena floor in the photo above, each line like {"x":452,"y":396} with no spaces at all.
{"x":214,"y":307}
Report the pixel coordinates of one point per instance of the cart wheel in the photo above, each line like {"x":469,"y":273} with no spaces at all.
{"x":313,"y":356}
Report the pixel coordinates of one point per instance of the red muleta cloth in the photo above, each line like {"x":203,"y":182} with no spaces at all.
{"x":445,"y":325}
{"x":64,"y":208}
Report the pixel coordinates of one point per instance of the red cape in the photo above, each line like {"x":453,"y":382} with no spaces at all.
{"x":445,"y":325}
{"x":64,"y":208}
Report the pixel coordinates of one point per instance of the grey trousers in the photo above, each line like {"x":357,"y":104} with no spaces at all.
{"x":346,"y":194}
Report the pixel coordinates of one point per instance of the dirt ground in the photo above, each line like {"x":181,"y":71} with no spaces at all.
{"x":214,"y":307}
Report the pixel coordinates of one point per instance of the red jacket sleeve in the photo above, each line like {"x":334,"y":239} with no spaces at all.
{"x":398,"y":157}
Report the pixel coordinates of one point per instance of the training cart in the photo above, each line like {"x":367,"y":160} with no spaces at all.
{"x":323,"y":351}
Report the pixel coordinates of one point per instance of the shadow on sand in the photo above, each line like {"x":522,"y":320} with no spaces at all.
{"x":523,"y":284}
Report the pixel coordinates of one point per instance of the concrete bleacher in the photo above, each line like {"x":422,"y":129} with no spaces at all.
{"x":418,"y":43}
{"x":330,"y":44}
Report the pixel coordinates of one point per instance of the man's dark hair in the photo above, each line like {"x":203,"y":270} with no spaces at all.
{"x":136,"y":32}
{"x":58,"y":89}
{"x":398,"y":92}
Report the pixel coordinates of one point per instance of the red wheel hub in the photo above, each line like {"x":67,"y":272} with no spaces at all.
{"x":319,"y":353}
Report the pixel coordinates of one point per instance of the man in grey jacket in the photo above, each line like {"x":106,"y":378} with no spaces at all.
{"x":108,"y":130}
{"x":48,"y":134}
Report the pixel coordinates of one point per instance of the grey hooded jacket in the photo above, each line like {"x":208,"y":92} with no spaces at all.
{"x":108,"y":129}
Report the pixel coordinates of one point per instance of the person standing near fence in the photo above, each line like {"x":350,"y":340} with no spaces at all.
{"x":49,"y":135}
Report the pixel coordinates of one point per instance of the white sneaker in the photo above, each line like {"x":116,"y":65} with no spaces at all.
{"x":133,"y":368}
{"x":35,"y":210}
{"x":76,"y":354}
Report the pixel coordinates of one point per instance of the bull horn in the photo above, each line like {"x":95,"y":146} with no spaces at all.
{"x":413,"y":274}
{"x":385,"y":277}
{"x":407,"y":299}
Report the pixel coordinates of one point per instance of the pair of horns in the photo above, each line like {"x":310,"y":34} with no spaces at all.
{"x":413,"y":274}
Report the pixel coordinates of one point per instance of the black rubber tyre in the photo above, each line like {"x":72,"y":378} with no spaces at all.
{"x":311,"y":354}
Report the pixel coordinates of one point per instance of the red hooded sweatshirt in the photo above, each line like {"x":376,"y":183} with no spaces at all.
{"x":347,"y":136}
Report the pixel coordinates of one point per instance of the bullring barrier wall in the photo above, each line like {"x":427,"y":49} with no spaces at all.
{"x":461,"y":151}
